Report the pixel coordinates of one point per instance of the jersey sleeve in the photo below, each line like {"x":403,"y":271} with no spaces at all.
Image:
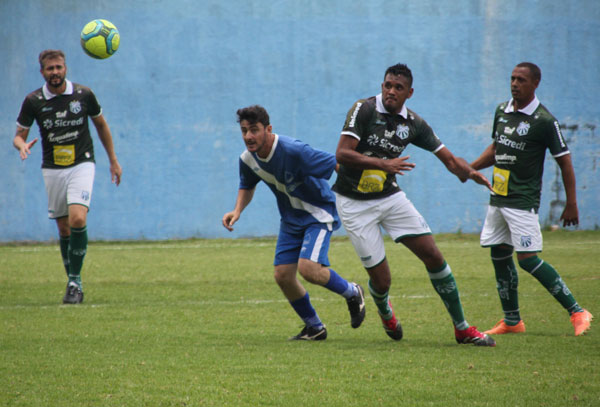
{"x":26,"y":115}
{"x":356,"y":119}
{"x":94,"y":109}
{"x":248,"y":178}
{"x":316,"y":163}
{"x":556,"y":142}
{"x":426,"y":138}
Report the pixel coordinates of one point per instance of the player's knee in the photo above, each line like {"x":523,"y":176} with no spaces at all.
{"x":501,"y":252}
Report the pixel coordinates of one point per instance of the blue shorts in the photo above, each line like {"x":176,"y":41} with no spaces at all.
{"x":311,"y":244}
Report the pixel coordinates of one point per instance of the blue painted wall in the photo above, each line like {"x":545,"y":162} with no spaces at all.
{"x":184,"y":67}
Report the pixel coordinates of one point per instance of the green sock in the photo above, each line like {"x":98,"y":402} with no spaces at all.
{"x":507,"y":282}
{"x":77,"y":250}
{"x":445,"y":285}
{"x":382,"y":302}
{"x":548,"y":276}
{"x":64,"y":252}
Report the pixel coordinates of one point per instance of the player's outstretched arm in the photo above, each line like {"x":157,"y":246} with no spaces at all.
{"x":459,"y":167}
{"x":106,"y":138}
{"x":243,"y":199}
{"x":346,"y":154}
{"x":486,"y":159}
{"x":570,"y":215}
{"x":21,"y":144}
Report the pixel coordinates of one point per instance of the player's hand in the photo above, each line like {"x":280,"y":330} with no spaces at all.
{"x":570,"y":215}
{"x":115,"y":173}
{"x":480,"y":179}
{"x":398,"y":165}
{"x":229,"y":219}
{"x":26,"y":149}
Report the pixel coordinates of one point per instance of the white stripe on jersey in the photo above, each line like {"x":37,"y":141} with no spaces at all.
{"x":319,"y":214}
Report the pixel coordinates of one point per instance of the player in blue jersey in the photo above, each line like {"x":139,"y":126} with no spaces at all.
{"x":297,"y":174}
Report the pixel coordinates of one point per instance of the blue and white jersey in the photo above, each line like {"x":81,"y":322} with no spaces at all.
{"x":297,"y":174}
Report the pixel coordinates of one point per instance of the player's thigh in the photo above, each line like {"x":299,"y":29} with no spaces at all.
{"x":80,"y":184}
{"x":400,"y":218}
{"x":315,"y":245}
{"x":495,"y":229}
{"x":361,"y":221}
{"x":525,"y":230}
{"x":287,"y":250}
{"x":56,"y":181}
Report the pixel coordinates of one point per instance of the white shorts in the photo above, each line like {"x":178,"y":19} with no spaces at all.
{"x":68,"y":186}
{"x":363,"y":220}
{"x":515,"y":227}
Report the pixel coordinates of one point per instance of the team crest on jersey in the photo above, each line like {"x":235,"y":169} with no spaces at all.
{"x":523,"y":128}
{"x":402,"y":131}
{"x":525,"y":241}
{"x":75,"y":106}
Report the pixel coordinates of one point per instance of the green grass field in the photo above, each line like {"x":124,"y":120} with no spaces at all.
{"x":202,"y":323}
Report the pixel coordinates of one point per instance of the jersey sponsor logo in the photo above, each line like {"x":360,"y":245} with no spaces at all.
{"x":526,"y":241}
{"x":380,"y":122}
{"x":559,"y":134}
{"x":502,"y":120}
{"x":505,"y":159}
{"x":75,"y":106}
{"x":354,"y":114}
{"x":72,"y":135}
{"x":388,"y":134}
{"x":67,"y":123}
{"x":511,"y":143}
{"x":47,"y":109}
{"x":374,"y":140}
{"x":402,"y":131}
{"x":523,"y":128}
{"x":61,"y":115}
{"x":47,"y":124}
{"x":509,"y":130}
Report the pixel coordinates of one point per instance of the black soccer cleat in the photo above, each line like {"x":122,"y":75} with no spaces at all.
{"x":74,"y":295}
{"x":310,"y":333}
{"x":356,"y":306}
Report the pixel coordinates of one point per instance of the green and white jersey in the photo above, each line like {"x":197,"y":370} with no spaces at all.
{"x":521,"y":140}
{"x":382,"y":135}
{"x":63,"y":123}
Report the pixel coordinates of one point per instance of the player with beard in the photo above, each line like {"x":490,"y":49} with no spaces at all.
{"x":61,"y":110}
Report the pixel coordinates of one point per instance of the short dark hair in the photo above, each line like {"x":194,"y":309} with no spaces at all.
{"x":536,"y":72}
{"x":253,"y":114}
{"x":399,"y":69}
{"x":50,"y":54}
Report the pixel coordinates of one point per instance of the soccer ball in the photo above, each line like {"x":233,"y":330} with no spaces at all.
{"x":100,"y":39}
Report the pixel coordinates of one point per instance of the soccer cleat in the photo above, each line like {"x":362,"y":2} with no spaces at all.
{"x":310,"y":333}
{"x":73,"y":295}
{"x":392,"y":327}
{"x":502,"y":328}
{"x":472,"y":335}
{"x":356,"y":306}
{"x":581,"y":321}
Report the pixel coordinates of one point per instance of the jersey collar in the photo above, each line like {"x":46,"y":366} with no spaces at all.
{"x":381,"y":109}
{"x":49,"y":95}
{"x":528,"y":110}
{"x":273,"y":147}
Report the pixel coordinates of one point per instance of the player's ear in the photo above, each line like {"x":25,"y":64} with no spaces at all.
{"x":269,"y":128}
{"x":410,"y":93}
